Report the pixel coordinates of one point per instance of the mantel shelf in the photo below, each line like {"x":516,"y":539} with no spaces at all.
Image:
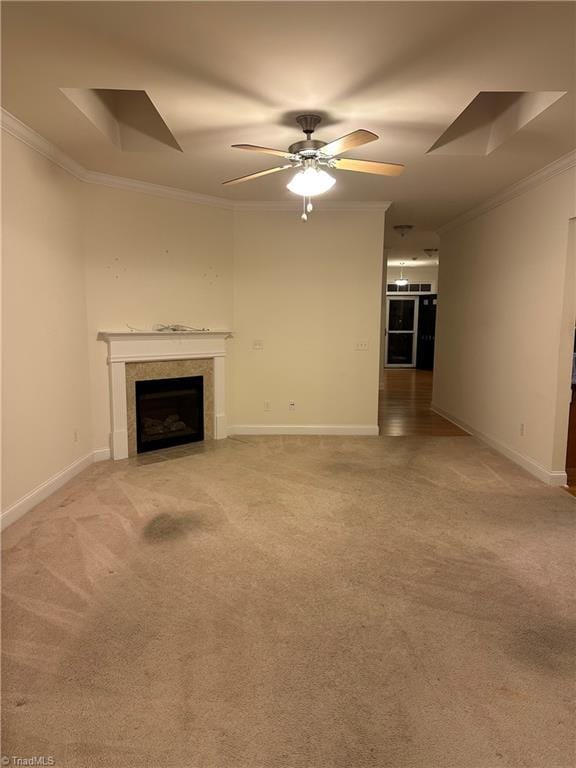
{"x":122,"y":335}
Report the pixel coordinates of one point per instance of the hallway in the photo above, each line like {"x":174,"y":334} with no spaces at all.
{"x":404,"y":406}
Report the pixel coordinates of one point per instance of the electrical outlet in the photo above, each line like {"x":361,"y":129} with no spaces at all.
{"x":361,"y":346}
{"x":258,"y":344}
{"x":522,"y":429}
{"x":291,"y":405}
{"x":267,"y":406}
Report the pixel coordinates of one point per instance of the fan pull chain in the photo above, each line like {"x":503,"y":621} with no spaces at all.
{"x":307,"y":207}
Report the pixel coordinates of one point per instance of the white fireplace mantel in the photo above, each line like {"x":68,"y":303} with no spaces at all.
{"x":140,"y":346}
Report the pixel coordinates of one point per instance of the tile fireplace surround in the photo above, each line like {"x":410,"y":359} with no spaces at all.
{"x":166,"y":353}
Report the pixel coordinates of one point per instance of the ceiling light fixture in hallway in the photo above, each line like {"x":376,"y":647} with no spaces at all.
{"x":401,"y":281}
{"x":403,"y":229}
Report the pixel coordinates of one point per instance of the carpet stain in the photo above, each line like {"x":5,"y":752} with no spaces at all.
{"x":548,"y":644}
{"x":167,"y":527}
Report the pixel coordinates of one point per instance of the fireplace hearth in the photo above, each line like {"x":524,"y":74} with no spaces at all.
{"x":169,"y":412}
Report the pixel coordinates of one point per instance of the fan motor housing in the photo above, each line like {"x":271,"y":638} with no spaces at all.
{"x":310,"y":145}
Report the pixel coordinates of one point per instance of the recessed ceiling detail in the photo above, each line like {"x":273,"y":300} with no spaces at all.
{"x":490,"y":119}
{"x":128,"y":119}
{"x":221,"y":74}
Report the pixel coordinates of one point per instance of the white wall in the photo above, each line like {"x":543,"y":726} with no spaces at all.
{"x":505,"y":325}
{"x":150,"y":260}
{"x":46,"y":413}
{"x":309,"y":292}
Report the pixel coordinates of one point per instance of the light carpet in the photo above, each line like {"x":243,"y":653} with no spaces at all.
{"x":294,"y":602}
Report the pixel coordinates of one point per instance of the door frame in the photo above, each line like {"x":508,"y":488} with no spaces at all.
{"x":416,"y":299}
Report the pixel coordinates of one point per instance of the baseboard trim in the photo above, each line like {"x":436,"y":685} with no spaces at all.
{"x":304,"y":429}
{"x":102,"y":454}
{"x":550,"y":477}
{"x":47,"y":488}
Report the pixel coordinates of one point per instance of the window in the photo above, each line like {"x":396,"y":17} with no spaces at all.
{"x":410,"y":288}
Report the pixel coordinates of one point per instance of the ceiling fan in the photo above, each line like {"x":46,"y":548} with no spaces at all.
{"x":312,"y":157}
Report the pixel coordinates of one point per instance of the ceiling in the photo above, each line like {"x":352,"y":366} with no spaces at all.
{"x":415,"y":261}
{"x":224,"y":73}
{"x":410,"y":248}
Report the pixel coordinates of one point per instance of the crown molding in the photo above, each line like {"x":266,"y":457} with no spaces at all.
{"x":325,"y":205}
{"x":28,"y":136}
{"x":157,"y":190}
{"x":563,"y":164}
{"x":35,"y":141}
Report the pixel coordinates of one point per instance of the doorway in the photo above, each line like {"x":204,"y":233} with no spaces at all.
{"x":571,"y":440}
{"x":410,"y":332}
{"x":570,"y":366}
{"x":409,"y":305}
{"x":401,"y":337}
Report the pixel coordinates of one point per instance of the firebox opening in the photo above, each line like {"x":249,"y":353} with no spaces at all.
{"x":169,"y":412}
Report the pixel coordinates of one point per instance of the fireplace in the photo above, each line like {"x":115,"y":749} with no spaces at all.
{"x":169,"y":412}
{"x":145,"y":356}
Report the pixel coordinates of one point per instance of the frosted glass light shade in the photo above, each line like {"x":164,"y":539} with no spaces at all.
{"x":401,"y":281}
{"x":311,"y":182}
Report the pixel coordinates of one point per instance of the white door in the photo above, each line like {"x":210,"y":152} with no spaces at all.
{"x":401,"y":336}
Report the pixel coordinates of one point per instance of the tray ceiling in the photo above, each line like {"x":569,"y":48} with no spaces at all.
{"x":216,"y":74}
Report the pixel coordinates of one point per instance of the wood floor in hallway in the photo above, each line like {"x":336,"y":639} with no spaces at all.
{"x":405,"y":406}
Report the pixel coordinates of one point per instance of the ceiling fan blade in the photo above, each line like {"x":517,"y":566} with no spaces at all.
{"x":265,"y":150}
{"x":351,"y":140}
{"x":256,"y":175}
{"x":369,"y":166}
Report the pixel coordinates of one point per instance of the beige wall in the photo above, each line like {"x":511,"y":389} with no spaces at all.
{"x":309,"y":292}
{"x":505,"y":324}
{"x":150,"y":260}
{"x":46,"y":421}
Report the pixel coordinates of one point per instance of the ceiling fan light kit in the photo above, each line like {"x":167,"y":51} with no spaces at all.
{"x":312,"y":157}
{"x":311,"y":181}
